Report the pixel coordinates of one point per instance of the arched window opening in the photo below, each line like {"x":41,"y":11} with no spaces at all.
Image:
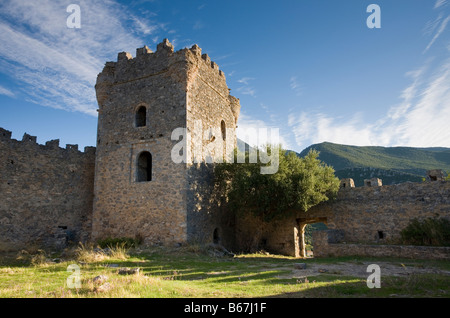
{"x":223,"y":128}
{"x":144,"y":167}
{"x":141,"y":117}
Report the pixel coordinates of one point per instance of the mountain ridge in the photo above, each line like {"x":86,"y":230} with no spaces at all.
{"x":391,"y":164}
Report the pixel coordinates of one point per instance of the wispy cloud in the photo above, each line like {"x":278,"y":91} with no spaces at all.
{"x":295,"y":86}
{"x":5,"y":91}
{"x":420,"y":120}
{"x":144,"y":26}
{"x":441,"y":29}
{"x":246,"y":88}
{"x":198,"y":25}
{"x":440,"y":3}
{"x":57,"y":66}
{"x":245,"y":80}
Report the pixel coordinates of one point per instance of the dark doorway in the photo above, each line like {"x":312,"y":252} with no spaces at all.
{"x":216,"y":237}
{"x":144,"y":167}
{"x":141,"y":117}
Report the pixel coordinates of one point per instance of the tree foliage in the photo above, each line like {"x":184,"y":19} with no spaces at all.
{"x":299,"y":184}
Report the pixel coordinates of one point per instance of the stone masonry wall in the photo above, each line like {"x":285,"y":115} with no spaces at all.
{"x":177,"y":89}
{"x":324,"y":248}
{"x":211,"y":119}
{"x":279,"y":236}
{"x":154,"y":210}
{"x":46,"y":193}
{"x":378,"y":214}
{"x":363,"y":215}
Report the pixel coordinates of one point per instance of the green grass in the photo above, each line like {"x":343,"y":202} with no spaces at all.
{"x":192,"y":272}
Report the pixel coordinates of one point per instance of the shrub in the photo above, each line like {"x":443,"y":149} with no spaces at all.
{"x":429,"y":232}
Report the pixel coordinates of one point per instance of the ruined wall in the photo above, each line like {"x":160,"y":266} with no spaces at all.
{"x":176,"y":88}
{"x":364,"y":215}
{"x":324,"y":247}
{"x":280,"y":236}
{"x":46,"y":193}
{"x":378,"y":214}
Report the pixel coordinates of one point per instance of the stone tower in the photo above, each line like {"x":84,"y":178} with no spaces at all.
{"x":139,"y":189}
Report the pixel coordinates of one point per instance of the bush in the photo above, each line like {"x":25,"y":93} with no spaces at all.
{"x":428,"y":232}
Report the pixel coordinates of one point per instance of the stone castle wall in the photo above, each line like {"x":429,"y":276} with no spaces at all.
{"x":210,"y":106}
{"x":177,"y":89}
{"x":50,"y":195}
{"x":46,"y":193}
{"x":378,"y":214}
{"x":123,"y":207}
{"x":326,"y":247}
{"x":363,"y":215}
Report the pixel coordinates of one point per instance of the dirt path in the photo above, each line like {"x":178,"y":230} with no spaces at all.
{"x":359,"y":269}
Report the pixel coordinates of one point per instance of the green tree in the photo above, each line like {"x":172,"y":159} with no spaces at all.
{"x":298,"y":185}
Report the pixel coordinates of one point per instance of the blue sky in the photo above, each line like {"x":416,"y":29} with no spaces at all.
{"x":311,"y":68}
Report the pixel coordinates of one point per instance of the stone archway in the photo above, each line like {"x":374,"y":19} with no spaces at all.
{"x":302,"y":223}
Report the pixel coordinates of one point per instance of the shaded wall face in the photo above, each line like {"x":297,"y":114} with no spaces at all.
{"x":46,"y":194}
{"x":211,"y":125}
{"x":278,"y":236}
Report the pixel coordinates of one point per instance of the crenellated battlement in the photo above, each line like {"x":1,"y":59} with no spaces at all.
{"x":165,"y":48}
{"x":147,"y":63}
{"x":167,"y":69}
{"x":52,"y":145}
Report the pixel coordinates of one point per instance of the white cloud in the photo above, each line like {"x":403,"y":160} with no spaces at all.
{"x":57,"y":66}
{"x":5,"y":91}
{"x":246,"y":89}
{"x":295,"y":86}
{"x":312,"y":127}
{"x":407,"y":95}
{"x":257,"y":132}
{"x":441,"y":29}
{"x":420,"y":120}
{"x":144,"y":27}
{"x":245,"y":80}
{"x":440,"y":3}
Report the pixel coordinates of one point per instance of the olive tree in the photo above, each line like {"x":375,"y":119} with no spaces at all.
{"x":298,"y":185}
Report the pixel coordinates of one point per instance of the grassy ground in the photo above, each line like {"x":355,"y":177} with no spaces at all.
{"x":191,"y":272}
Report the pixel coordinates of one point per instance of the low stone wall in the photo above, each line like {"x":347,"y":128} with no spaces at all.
{"x":323,"y":247}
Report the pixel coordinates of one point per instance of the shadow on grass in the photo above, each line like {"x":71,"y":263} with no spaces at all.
{"x":259,"y":272}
